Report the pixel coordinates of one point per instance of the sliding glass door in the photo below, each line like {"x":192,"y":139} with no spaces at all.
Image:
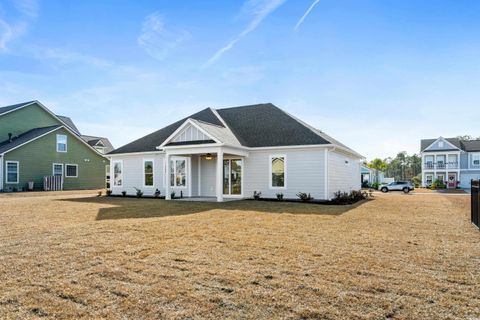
{"x":232,"y":176}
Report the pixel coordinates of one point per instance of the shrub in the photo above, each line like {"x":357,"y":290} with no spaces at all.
{"x":172,"y":195}
{"x":375,"y":185}
{"x":437,"y":184}
{"x":124,"y":193}
{"x":365,"y":184}
{"x":417,"y":180}
{"x":157,"y":193}
{"x":349,"y":198}
{"x":257,"y":195}
{"x":108,"y":192}
{"x":139,"y":192}
{"x":304,"y":197}
{"x":99,"y":194}
{"x":279,"y":196}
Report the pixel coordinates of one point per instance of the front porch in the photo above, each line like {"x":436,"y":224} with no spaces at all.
{"x":204,"y":173}
{"x":449,"y":178}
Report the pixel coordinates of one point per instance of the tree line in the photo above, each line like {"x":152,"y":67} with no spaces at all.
{"x":403,"y":167}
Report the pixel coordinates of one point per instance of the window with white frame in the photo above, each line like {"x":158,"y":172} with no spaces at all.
{"x":57,"y":170}
{"x":476,"y":160}
{"x":117,"y":173}
{"x":12,"y":169}
{"x":61,"y":143}
{"x":148,"y":173}
{"x":71,"y":171}
{"x":278,"y":171}
{"x":178,"y":175}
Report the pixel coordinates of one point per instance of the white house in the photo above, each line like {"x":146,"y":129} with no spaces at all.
{"x":232,"y":152}
{"x":453,"y":161}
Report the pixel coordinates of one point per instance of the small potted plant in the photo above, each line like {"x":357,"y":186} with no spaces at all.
{"x":139,"y":192}
{"x":124,"y":193}
{"x":280,"y":196}
{"x":108,"y":192}
{"x":172,"y":195}
{"x":157,"y":193}
{"x":257,"y":195}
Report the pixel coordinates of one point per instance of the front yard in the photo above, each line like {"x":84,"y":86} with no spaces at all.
{"x":396,"y":257}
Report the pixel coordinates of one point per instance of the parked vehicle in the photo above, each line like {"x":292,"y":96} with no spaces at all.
{"x":404,"y":186}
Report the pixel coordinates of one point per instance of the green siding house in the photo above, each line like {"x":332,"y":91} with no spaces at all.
{"x":35,"y":143}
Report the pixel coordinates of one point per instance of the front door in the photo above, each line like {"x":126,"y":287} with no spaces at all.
{"x":232,"y":176}
{"x":452,"y":180}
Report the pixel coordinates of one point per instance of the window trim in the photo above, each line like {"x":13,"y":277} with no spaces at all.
{"x":174,"y":160}
{"x":6,"y":171}
{"x":66,"y":142}
{"x":66,"y":171}
{"x":270,"y":180}
{"x":113,"y":173}
{"x":153,"y":173}
{"x":474,"y":155}
{"x":53,"y":169}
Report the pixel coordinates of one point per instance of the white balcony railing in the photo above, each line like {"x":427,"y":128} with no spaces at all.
{"x":440,"y":165}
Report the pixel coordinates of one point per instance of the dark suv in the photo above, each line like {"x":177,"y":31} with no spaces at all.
{"x":398,"y":186}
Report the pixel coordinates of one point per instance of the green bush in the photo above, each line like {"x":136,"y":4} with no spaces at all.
{"x":349,"y":198}
{"x":279,"y":196}
{"x":304,"y":197}
{"x":437,"y":184}
{"x":375,"y":185}
{"x":139,"y":192}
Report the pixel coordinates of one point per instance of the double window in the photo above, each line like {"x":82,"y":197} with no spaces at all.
{"x":148,"y":173}
{"x":178,"y":176}
{"x":61,"y":143}
{"x":278,"y":171}
{"x":117,"y":173}
{"x":12,"y":168}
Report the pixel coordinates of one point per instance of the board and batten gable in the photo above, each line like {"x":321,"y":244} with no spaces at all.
{"x":24,"y":119}
{"x":37,"y":157}
{"x":344,"y":173}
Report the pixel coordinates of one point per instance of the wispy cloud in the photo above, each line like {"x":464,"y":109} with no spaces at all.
{"x":156,"y":40}
{"x":63,"y":56}
{"x":299,"y":23}
{"x":9,"y":31}
{"x":259,"y":9}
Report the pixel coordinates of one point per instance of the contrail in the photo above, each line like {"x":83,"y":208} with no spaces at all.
{"x":306,"y":14}
{"x":260,"y":13}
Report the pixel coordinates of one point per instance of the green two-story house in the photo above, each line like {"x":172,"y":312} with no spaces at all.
{"x":36,"y":144}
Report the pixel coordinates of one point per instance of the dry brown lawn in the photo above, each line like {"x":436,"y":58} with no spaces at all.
{"x":395,"y":257}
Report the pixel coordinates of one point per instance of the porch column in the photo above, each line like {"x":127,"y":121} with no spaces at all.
{"x":167,"y":177}
{"x":219,"y":179}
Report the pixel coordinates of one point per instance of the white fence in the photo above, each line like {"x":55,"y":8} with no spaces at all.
{"x":53,"y":183}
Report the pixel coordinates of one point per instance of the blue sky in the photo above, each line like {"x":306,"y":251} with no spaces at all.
{"x":377,"y":75}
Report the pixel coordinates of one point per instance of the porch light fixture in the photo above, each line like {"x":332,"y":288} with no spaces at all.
{"x":208,"y":156}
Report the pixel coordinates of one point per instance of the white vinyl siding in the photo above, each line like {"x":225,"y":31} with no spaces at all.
{"x":133,"y":174}
{"x":343,"y":173}
{"x":305,"y":170}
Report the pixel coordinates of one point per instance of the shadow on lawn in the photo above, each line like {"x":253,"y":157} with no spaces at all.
{"x":129,"y":208}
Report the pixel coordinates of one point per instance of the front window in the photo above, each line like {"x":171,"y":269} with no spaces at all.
{"x":148,"y":173}
{"x":61,"y":143}
{"x":12,"y":171}
{"x":277,"y":170}
{"x":58,"y":170}
{"x":71,"y":171}
{"x":178,"y":176}
{"x":117,"y":173}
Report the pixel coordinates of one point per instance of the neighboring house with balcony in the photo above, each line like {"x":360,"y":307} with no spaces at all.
{"x":453,"y":161}
{"x":232,"y":152}
{"x":36,"y":143}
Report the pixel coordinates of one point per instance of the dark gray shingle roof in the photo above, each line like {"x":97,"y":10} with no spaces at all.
{"x":265,"y":125}
{"x":25,"y":137}
{"x":153,"y":140}
{"x":13,"y":107}
{"x":465,"y":145}
{"x":68,"y":121}
{"x":92,"y":141}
